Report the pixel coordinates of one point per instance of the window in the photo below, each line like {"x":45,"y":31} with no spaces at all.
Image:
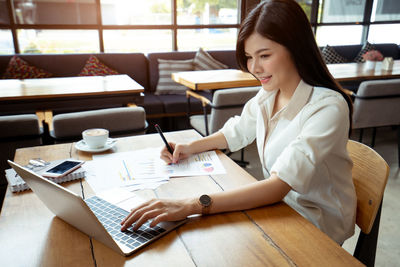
{"x":341,"y":11}
{"x":338,"y":35}
{"x":208,"y":39}
{"x":75,"y":12}
{"x":340,"y":22}
{"x":6,"y":42}
{"x":58,"y":41}
{"x":207,"y":12}
{"x":379,"y":33}
{"x":143,"y":41}
{"x":80,"y":26}
{"x":136,"y":12}
{"x":386,"y":10}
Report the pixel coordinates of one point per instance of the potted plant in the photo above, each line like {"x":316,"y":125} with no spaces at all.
{"x":371,"y":57}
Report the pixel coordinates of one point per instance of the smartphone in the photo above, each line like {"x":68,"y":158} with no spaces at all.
{"x":63,"y":168}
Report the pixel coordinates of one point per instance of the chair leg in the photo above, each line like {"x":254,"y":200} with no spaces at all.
{"x":373,"y":137}
{"x":361,"y":135}
{"x":398,"y":144}
{"x":188,"y":113}
{"x":366,"y":244}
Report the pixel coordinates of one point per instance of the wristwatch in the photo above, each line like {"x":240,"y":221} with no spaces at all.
{"x":205,"y":202}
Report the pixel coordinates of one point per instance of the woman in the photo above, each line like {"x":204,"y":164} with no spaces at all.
{"x":300,"y":119}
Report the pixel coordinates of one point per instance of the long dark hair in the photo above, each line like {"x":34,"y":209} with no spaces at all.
{"x":284,"y":22}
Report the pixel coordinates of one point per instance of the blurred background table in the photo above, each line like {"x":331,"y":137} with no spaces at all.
{"x":67,"y":92}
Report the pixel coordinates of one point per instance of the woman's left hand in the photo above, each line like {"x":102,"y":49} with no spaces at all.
{"x":160,"y":210}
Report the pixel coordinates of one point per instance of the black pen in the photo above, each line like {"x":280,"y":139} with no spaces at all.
{"x":163,"y":138}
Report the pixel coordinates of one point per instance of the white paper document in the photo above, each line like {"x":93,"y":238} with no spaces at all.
{"x":141,"y":169}
{"x":146,"y":164}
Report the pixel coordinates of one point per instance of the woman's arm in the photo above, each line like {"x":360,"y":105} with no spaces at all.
{"x":249,"y":196}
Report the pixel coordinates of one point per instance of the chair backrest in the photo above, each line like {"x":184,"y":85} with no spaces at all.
{"x":17,"y":131}
{"x":123,"y":120}
{"x":228,"y":103}
{"x":377,"y":103}
{"x":370,"y":174}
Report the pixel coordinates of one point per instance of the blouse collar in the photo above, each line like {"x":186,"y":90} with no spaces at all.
{"x":299,"y":99}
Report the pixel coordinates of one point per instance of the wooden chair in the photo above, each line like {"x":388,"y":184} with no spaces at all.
{"x":17,"y":131}
{"x":370,"y":174}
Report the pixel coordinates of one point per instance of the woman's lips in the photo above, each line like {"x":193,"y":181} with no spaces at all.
{"x":264,"y":80}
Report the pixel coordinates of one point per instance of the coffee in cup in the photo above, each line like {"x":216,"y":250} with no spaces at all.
{"x":95,"y":138}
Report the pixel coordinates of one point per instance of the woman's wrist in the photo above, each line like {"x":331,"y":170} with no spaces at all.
{"x":193,"y":206}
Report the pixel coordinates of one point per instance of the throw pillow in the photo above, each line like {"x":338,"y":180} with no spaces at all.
{"x":94,"y":67}
{"x":331,"y":56}
{"x":367,"y":47}
{"x":20,"y":69}
{"x":204,"y":61}
{"x":165,"y":83}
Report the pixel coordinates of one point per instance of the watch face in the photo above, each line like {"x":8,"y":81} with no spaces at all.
{"x":205,"y":200}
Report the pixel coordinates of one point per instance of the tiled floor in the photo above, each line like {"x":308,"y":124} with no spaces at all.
{"x":388,"y":250}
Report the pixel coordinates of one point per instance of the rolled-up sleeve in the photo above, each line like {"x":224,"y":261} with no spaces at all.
{"x":324,"y":127}
{"x":240,"y":131}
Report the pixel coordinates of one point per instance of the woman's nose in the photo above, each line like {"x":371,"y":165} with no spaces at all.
{"x":255,"y":66}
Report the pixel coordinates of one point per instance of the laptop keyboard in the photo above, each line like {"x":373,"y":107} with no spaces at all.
{"x":111,"y":215}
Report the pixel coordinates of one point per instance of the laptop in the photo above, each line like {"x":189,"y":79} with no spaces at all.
{"x":93,"y":216}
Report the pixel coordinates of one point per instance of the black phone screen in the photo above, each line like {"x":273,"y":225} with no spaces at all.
{"x":63,"y":167}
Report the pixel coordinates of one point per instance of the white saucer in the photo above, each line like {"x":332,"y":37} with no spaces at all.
{"x":82,"y":146}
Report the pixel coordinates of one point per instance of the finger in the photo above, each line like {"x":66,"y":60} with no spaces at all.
{"x":136,"y":213}
{"x":160,"y":218}
{"x":145,"y":217}
{"x":166,"y":159}
{"x":175,"y":156}
{"x":136,"y":209}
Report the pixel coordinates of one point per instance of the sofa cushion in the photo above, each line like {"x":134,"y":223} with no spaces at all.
{"x":20,"y":69}
{"x":225,"y":56}
{"x":165,"y":83}
{"x":331,"y":56}
{"x":367,"y":47}
{"x":94,"y":67}
{"x":204,"y":61}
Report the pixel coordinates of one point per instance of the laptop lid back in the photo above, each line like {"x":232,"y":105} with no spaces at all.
{"x":66,"y":205}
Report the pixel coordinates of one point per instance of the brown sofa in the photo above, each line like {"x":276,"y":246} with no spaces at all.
{"x":144,"y":69}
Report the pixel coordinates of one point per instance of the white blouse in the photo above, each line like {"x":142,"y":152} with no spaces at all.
{"x":305,"y":145}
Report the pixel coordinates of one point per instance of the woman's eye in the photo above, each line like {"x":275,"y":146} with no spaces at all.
{"x":264,"y":56}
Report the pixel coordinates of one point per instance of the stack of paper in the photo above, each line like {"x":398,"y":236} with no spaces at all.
{"x":143,"y":169}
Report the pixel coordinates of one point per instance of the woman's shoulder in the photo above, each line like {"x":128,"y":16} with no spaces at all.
{"x":326,"y":96}
{"x":328,"y":101}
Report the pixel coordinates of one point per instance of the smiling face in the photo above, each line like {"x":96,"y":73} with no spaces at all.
{"x":271,"y":63}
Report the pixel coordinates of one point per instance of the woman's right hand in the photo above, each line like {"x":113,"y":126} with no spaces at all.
{"x":181,"y":151}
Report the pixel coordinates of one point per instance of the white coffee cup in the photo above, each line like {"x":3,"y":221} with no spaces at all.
{"x":95,"y":138}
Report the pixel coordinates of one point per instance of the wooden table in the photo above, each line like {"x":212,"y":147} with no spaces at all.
{"x":220,"y":79}
{"x":215,"y":79}
{"x":269,"y":236}
{"x":67,"y":92}
{"x":344,"y":72}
